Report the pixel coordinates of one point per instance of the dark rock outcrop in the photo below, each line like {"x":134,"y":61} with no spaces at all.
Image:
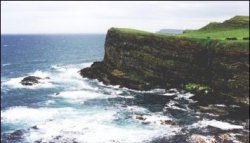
{"x":14,"y":136}
{"x":31,"y":80}
{"x":142,"y":61}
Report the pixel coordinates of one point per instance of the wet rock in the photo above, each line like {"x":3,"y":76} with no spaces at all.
{"x":243,"y":138}
{"x":30,"y":80}
{"x":16,"y":135}
{"x":225,"y":138}
{"x":58,"y":137}
{"x":140,"y":117}
{"x":171,"y":91}
{"x":146,"y":120}
{"x":198,"y":139}
{"x":218,"y":111}
{"x":167,"y":122}
{"x":34,"y":127}
{"x":174,"y":139}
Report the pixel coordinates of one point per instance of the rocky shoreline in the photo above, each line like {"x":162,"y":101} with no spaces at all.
{"x":218,"y":75}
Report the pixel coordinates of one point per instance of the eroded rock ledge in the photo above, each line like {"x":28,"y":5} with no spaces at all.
{"x":142,"y":61}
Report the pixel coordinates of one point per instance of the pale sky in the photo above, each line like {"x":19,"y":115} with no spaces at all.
{"x":97,"y":17}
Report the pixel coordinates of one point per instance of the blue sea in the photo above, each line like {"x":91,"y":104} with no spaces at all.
{"x":71,"y":109}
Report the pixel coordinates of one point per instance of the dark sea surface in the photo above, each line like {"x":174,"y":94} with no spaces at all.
{"x":69,"y":108}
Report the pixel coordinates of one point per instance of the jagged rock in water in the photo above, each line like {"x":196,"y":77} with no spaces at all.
{"x":218,"y":111}
{"x":16,"y":135}
{"x":144,"y":120}
{"x":167,"y":122}
{"x":202,"y":139}
{"x":140,"y":117}
{"x":32,"y":80}
{"x":34,"y":127}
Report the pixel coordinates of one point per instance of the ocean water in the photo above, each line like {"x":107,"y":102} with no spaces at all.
{"x":69,"y":108}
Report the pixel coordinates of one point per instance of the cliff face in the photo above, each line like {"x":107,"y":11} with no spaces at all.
{"x":144,"y":61}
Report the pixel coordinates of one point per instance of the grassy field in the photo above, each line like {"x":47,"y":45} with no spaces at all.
{"x":237,"y":27}
{"x":219,"y":34}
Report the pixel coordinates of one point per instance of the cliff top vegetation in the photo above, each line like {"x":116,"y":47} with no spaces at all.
{"x":234,"y":30}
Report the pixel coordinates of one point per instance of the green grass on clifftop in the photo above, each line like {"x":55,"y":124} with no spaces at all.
{"x":137,"y":33}
{"x":131,"y":31}
{"x":219,"y":35}
{"x":237,"y":27}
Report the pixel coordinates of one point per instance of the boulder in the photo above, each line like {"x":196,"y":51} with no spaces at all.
{"x":167,"y":122}
{"x":140,"y":117}
{"x":218,"y":111}
{"x":16,"y":135}
{"x":32,"y":80}
{"x":146,"y":120}
{"x":34,"y":127}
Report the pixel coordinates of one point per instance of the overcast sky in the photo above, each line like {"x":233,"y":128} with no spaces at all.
{"x":98,"y":17}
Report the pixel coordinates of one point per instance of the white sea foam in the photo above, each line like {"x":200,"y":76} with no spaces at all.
{"x":157,"y":91}
{"x":137,"y":109}
{"x":65,"y":75}
{"x":68,"y":75}
{"x":81,"y":95}
{"x":112,"y":91}
{"x":169,"y":94}
{"x":58,"y":68}
{"x":90,"y":126}
{"x":93,"y":128}
{"x":44,"y":83}
{"x":184,"y":96}
{"x":220,"y":105}
{"x":49,"y":102}
{"x":127,"y":97}
{"x":172,"y":91}
{"x":28,"y":115}
{"x":15,"y":83}
{"x":117,"y":87}
{"x":84,"y":65}
{"x":217,"y":124}
{"x":89,"y":132}
{"x":7,"y":64}
{"x":62,"y":68}
{"x":172,"y":105}
{"x":234,"y":106}
{"x":39,"y":73}
{"x":153,"y":118}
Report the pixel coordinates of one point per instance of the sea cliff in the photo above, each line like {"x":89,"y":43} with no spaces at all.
{"x":141,"y":60}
